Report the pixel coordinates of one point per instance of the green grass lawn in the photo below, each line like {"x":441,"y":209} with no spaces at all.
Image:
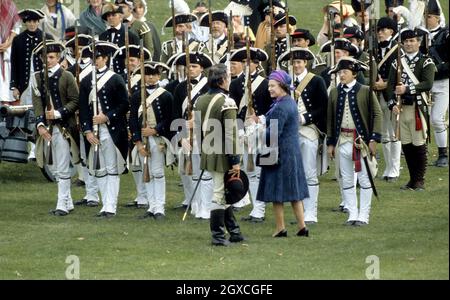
{"x":408,"y":231}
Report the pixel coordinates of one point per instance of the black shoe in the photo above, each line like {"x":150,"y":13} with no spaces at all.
{"x":79,"y":183}
{"x":81,"y":202}
{"x":147,"y":215}
{"x":282,"y":233}
{"x":91,"y":203}
{"x":109,"y":215}
{"x":349,"y":223}
{"x":131,"y":204}
{"x":340,"y":208}
{"x":252,"y":219}
{"x":310,"y":222}
{"x":303,"y":232}
{"x":360,"y":223}
{"x":407,"y":187}
{"x":391,"y":179}
{"x":159,"y":216}
{"x":181,"y":206}
{"x":101,"y":214}
{"x":59,"y":213}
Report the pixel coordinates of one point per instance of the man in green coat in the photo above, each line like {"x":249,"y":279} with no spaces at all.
{"x":55,"y":105}
{"x":412,"y":110}
{"x":215,"y":117}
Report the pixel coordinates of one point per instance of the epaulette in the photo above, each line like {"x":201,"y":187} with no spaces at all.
{"x":144,"y":29}
{"x":427,"y":62}
{"x":229,"y":104}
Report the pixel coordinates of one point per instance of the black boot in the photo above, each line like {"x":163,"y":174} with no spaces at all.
{"x":420,"y":156}
{"x":217,"y":225}
{"x":442,"y":160}
{"x":232,"y":226}
{"x":409,"y":157}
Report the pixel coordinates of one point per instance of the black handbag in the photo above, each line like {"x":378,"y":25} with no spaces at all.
{"x":269,"y":157}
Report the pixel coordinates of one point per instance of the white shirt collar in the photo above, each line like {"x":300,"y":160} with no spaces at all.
{"x":219,"y":39}
{"x":54,"y":69}
{"x":302,"y":75}
{"x":101,"y":70}
{"x":350,"y":85}
{"x":412,"y":55}
{"x":117,"y":27}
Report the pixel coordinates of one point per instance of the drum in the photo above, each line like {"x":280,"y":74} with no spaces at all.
{"x":15,"y":147}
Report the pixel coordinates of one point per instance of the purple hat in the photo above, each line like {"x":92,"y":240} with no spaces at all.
{"x":282,"y":77}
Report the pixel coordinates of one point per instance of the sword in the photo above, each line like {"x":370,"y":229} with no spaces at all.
{"x":369,"y":174}
{"x":193,"y":194}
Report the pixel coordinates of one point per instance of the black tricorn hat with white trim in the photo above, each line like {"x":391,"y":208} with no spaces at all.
{"x":218,"y":15}
{"x":340,"y":44}
{"x":349,"y":63}
{"x":51,"y":45}
{"x":181,"y":19}
{"x":134,"y":51}
{"x":280,"y":19}
{"x":153,"y":67}
{"x":407,"y":33}
{"x":31,"y":14}
{"x":102,"y":48}
{"x":83,"y":40}
{"x":198,"y":58}
{"x":297,"y":53}
{"x":255,"y":54}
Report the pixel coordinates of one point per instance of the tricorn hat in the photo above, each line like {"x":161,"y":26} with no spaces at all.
{"x":31,"y":14}
{"x":51,"y":45}
{"x":280,"y":19}
{"x":341,"y":44}
{"x":181,"y":19}
{"x":255,"y":54}
{"x":135,"y":51}
{"x":386,"y":22}
{"x":391,"y":3}
{"x":297,"y":53}
{"x":198,"y":58}
{"x":235,"y":187}
{"x":304,"y":33}
{"x":109,"y":9}
{"x":218,"y":15}
{"x":434,"y":8}
{"x":83,"y":40}
{"x":69,"y":33}
{"x":407,"y":33}
{"x":353,"y":32}
{"x":102,"y":48}
{"x":349,"y":63}
{"x":357,"y":5}
{"x":153,"y":67}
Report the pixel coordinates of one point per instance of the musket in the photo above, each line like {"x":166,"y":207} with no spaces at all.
{"x":363,"y":19}
{"x":174,"y":29}
{"x":77,"y":55}
{"x":211,"y":39}
{"x":366,"y":164}
{"x":399,"y":77}
{"x":230,"y":39}
{"x":272,"y":38}
{"x":250,"y":111}
{"x":332,"y":46}
{"x":188,"y":157}
{"x":145,"y":167}
{"x":47,"y":95}
{"x":289,"y":46}
{"x":372,"y":45}
{"x":341,"y":13}
{"x":127,"y":57}
{"x":96,"y":158}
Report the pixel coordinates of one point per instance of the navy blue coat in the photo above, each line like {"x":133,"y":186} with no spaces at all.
{"x":285,"y":182}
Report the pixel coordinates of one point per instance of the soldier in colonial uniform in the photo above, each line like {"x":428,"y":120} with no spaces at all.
{"x":183,"y":26}
{"x":353,"y":129}
{"x":303,"y":38}
{"x":281,"y":34}
{"x":438,"y":50}
{"x":141,"y":29}
{"x":23,"y":64}
{"x":418,"y":73}
{"x":116,"y":35}
{"x":108,"y":92}
{"x":261,"y":104}
{"x":156,"y":131}
{"x":199,"y":86}
{"x":218,"y":46}
{"x":311,"y":96}
{"x":386,"y":54}
{"x":55,"y":107}
{"x":218,"y":160}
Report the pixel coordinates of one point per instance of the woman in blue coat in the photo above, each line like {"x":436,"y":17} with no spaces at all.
{"x":285,"y":181}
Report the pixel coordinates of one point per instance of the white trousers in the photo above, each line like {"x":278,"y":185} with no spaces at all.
{"x":156,"y":187}
{"x":61,"y":169}
{"x":107,"y":177}
{"x":347,"y":169}
{"x":439,"y":111}
{"x":309,"y":150}
{"x":392,"y":147}
{"x":90,"y":181}
{"x":259,"y":207}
